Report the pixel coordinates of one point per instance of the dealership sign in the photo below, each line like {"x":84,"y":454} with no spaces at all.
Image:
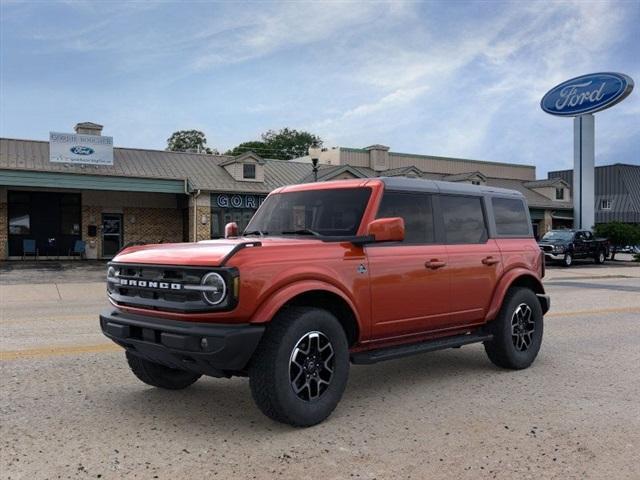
{"x":238,"y":200}
{"x":587,"y":94}
{"x":579,"y":98}
{"x":85,"y":149}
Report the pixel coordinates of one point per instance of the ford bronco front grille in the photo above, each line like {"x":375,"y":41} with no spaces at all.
{"x":168,"y":288}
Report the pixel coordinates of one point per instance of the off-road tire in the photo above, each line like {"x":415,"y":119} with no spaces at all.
{"x":567,"y":261}
{"x":502,"y":350}
{"x":600,"y":257}
{"x":270,"y":369}
{"x":160,"y":376}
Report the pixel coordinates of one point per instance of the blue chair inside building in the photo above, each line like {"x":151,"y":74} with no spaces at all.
{"x":29,"y":248}
{"x":79,"y":248}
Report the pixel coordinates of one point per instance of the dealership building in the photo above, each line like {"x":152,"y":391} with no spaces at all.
{"x":103,"y":198}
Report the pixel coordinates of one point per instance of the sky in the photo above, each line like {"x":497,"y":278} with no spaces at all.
{"x":446,"y":78}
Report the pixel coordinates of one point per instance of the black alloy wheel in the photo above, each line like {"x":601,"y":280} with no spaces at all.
{"x":311,"y":366}
{"x":522,"y":327}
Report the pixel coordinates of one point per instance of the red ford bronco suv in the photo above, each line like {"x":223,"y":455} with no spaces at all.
{"x":328,"y":274}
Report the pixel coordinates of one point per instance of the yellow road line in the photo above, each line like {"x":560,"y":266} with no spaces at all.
{"x":53,"y":351}
{"x":7,"y":319}
{"x":594,"y":312}
{"x":112,"y":347}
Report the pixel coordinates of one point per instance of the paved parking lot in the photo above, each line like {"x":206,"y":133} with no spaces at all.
{"x":71,"y":409}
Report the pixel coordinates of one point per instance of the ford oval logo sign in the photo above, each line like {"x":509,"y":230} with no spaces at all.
{"x":79,"y":150}
{"x":587,"y":94}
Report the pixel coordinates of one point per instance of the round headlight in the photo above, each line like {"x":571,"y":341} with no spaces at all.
{"x":111,"y":273}
{"x":214,"y":288}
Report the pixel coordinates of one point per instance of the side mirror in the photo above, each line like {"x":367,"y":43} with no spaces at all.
{"x":231,"y":230}
{"x":387,"y":229}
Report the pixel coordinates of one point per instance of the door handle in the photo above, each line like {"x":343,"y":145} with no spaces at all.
{"x":490,"y":260}
{"x":434,"y":264}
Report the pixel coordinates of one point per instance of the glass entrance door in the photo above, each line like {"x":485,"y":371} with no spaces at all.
{"x":111,"y":234}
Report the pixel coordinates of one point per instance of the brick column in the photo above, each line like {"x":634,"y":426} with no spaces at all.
{"x":202,"y":218}
{"x":92,"y":215}
{"x":548,"y":222}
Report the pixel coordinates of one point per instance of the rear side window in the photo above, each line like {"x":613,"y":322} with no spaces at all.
{"x":511,"y":217}
{"x":463,"y":219}
{"x":416,"y":211}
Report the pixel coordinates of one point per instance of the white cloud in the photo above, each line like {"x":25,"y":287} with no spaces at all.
{"x":484,"y":80}
{"x":287,"y":25}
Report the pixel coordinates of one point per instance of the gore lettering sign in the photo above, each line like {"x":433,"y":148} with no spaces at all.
{"x":587,"y":94}
{"x":238,"y":201}
{"x":80,"y":149}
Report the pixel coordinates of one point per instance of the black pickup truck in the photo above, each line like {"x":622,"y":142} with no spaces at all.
{"x":566,"y":245}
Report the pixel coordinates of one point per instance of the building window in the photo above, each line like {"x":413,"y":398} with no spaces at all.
{"x":249,"y":170}
{"x":559,"y":193}
{"x":605,"y":204}
{"x":19,"y":213}
{"x":475,"y":182}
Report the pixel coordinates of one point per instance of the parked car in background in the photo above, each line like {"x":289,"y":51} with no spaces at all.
{"x":565,"y":246}
{"x":328,"y":274}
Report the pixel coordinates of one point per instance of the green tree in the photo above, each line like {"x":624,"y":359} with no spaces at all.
{"x":283,"y":144}
{"x":619,"y":234}
{"x":287,"y":144}
{"x":256,"y":147}
{"x":188,"y":141}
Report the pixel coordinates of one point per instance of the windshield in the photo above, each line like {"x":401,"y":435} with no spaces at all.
{"x":327,"y":212}
{"x":558,"y":235}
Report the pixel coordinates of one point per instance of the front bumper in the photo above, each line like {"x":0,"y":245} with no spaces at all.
{"x":545,"y":302}
{"x":209,"y":349}
{"x":554,"y":256}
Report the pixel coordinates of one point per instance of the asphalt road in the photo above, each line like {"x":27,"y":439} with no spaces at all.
{"x":71,"y":409}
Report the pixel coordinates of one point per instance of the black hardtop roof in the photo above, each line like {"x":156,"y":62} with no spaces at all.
{"x":437,"y":186}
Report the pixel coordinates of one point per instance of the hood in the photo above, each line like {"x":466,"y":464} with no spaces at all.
{"x":209,"y":253}
{"x":554,"y":242}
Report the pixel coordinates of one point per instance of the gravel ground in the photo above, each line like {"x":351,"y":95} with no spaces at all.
{"x":71,"y":409}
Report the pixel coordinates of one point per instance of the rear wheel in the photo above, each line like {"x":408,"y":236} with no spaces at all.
{"x":300,"y":369}
{"x":517,"y":330}
{"x":160,"y":376}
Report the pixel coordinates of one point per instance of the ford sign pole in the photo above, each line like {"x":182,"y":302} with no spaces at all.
{"x":580,"y":97}
{"x":584,"y":171}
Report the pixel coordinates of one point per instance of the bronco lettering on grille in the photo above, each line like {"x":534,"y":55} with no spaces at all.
{"x":149,"y":284}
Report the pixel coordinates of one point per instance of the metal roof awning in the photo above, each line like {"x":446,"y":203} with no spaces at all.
{"x":561,"y":216}
{"x":30,"y":178}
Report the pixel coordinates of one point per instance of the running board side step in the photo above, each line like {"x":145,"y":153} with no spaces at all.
{"x":391,"y":353}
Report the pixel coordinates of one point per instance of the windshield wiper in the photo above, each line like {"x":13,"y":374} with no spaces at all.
{"x":301,"y":231}
{"x":254,"y":232}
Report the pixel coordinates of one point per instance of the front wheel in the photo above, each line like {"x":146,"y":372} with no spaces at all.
{"x":517,"y":330}
{"x":567,"y":261}
{"x":300,"y":369}
{"x":600,"y":257}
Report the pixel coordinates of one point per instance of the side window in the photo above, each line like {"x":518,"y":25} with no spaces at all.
{"x":463,"y":219}
{"x":415,"y":209}
{"x":511,"y":217}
